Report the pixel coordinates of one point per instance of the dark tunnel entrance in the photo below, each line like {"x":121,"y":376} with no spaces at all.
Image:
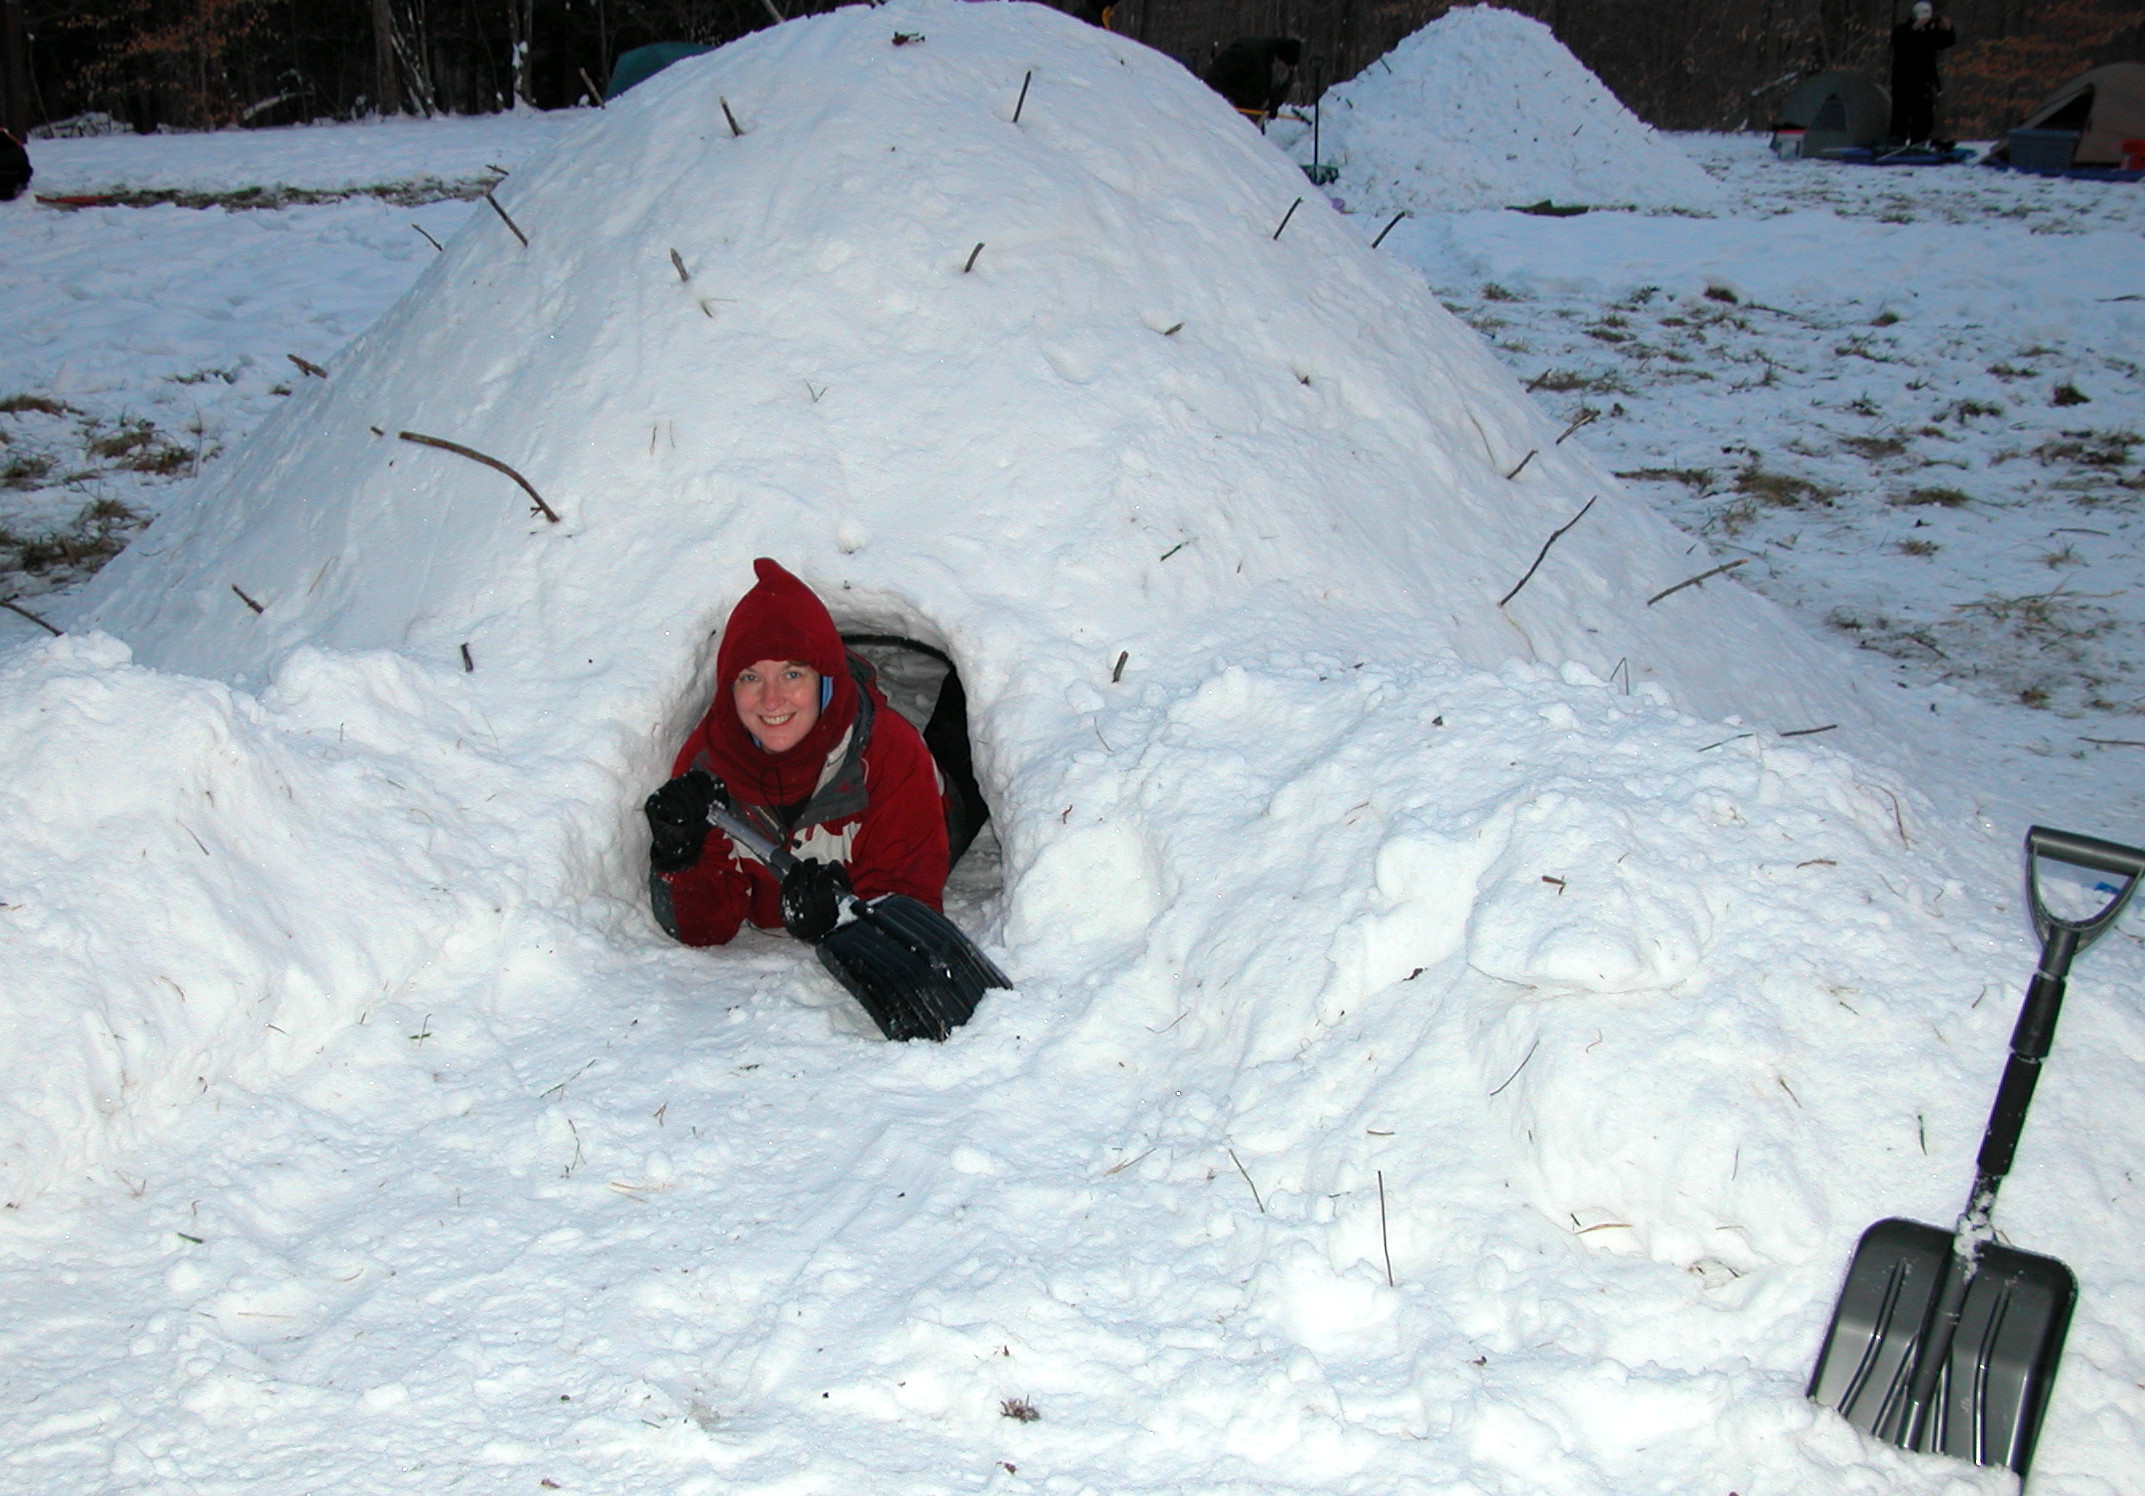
{"x":923,"y":685}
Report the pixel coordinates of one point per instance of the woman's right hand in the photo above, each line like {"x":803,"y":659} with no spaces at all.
{"x":678,"y":820}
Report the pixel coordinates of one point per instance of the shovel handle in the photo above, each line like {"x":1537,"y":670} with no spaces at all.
{"x":2127,"y":863}
{"x":724,"y":818}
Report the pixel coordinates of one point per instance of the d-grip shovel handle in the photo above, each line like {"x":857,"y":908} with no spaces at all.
{"x":2080,"y":851}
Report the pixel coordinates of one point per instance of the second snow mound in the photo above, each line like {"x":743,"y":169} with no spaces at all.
{"x":1485,"y":108}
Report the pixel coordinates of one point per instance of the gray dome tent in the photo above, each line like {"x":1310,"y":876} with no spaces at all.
{"x":1839,"y":108}
{"x":2105,"y":105}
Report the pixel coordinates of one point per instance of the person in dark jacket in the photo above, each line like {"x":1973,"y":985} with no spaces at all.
{"x":1915,"y":84}
{"x":15,"y":168}
{"x":800,"y":741}
{"x":1255,"y":73}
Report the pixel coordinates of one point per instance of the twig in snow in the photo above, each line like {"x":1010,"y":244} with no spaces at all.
{"x":1703,"y":576}
{"x":1532,"y":453}
{"x":1180,"y":545}
{"x":429,"y":239}
{"x":1173,"y":329}
{"x":1391,"y":224}
{"x":1022,"y":102}
{"x":469,"y":666}
{"x":593,"y":91}
{"x":1554,"y":536}
{"x":1117,"y":671}
{"x":1119,"y":1168}
{"x":1899,"y":820}
{"x":491,"y":462}
{"x":503,"y":218}
{"x":1586,"y":418}
{"x":1384,"y":1240}
{"x":1537,"y":1044}
{"x":678,"y":260}
{"x":1291,"y":213}
{"x":307,"y":366}
{"x":1810,"y":732}
{"x":972,"y":257}
{"x":1724,"y":742}
{"x":726,"y":114}
{"x":249,"y":602}
{"x":1536,"y":383}
{"x":14,"y":607}
{"x":1247,"y":1179}
{"x":2104,"y":742}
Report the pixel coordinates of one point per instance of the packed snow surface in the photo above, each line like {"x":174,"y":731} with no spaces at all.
{"x":1485,"y":108}
{"x":1448,"y":1055}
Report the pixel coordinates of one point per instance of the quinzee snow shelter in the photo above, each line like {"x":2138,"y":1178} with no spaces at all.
{"x":1835,"y":109}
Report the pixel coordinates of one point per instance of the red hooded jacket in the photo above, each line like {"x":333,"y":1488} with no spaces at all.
{"x":860,"y":789}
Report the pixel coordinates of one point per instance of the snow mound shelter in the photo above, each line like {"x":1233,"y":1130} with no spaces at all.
{"x":1485,"y":108}
{"x":1426,"y":1069}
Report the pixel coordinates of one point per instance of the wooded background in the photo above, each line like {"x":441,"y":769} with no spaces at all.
{"x":1679,"y":64}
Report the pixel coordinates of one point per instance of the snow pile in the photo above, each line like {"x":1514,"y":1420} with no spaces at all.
{"x":200,"y":884}
{"x":1485,"y":108}
{"x":1361,"y":899}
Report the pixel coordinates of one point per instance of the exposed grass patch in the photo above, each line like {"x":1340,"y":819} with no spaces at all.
{"x":1966,"y":410}
{"x":1781,"y":490}
{"x":1723,"y":294}
{"x":1918,"y":548}
{"x":1884,"y":319}
{"x":1939,"y":498}
{"x":1494,"y":292}
{"x":2094,"y":449}
{"x":15,"y":405}
{"x":26,"y":471}
{"x":2007,"y":370}
{"x":1700,"y":478}
{"x":1874,"y":448}
{"x":2070,"y":394}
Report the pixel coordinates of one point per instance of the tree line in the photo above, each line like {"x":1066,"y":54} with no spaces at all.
{"x":1679,"y":64}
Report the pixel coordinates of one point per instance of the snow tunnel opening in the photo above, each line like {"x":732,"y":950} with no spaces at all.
{"x":922,"y":682}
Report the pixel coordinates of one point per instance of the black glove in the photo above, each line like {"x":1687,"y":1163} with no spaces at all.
{"x":813,"y":897}
{"x":678,"y":820}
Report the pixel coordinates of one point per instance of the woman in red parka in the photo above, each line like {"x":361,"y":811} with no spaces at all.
{"x":800,"y":741}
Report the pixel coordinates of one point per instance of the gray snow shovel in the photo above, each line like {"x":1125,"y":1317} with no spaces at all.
{"x":1943,"y":1341}
{"x":909,"y":966}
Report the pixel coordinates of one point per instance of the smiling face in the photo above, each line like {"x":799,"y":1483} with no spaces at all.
{"x":778,"y":701}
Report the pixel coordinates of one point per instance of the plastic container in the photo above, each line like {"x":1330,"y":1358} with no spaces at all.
{"x":2043,"y":150}
{"x":1787,"y":143}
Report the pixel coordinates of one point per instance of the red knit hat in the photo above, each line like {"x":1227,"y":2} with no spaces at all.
{"x":779,"y":619}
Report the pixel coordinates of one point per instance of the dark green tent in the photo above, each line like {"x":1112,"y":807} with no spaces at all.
{"x":643,"y":63}
{"x":1835,"y":109}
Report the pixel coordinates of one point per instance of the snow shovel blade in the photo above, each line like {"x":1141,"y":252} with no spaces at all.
{"x":910,"y":967}
{"x":2001,"y":1364}
{"x":2003,"y":1358}
{"x":1880,"y":1324}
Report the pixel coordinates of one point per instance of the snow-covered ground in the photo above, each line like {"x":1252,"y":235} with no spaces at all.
{"x":1433,"y":1069}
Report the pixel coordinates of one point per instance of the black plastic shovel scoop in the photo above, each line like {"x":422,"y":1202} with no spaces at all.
{"x":1944,"y":1341}
{"x":909,"y":966}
